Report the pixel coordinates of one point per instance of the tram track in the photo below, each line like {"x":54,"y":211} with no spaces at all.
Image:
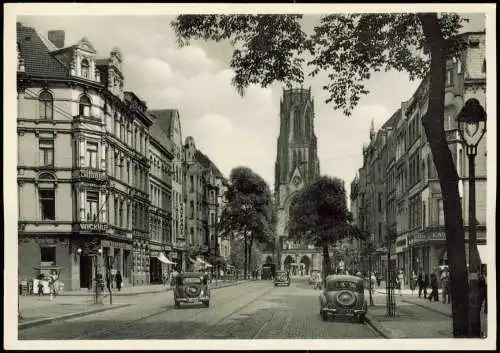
{"x":127,"y":327}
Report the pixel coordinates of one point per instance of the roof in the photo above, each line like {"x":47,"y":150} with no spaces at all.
{"x":344,"y":278}
{"x":165,"y":118}
{"x":206,"y":162}
{"x":35,"y":50}
{"x":191,"y":274}
{"x":160,"y":136}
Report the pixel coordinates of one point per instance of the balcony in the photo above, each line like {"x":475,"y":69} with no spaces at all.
{"x":89,"y":226}
{"x":90,"y":174}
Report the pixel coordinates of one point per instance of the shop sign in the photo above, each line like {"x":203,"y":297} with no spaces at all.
{"x":92,"y":227}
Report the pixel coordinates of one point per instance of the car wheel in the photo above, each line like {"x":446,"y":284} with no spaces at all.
{"x":206,"y":304}
{"x":361,"y":318}
{"x":177,"y":304}
{"x":324,"y":315}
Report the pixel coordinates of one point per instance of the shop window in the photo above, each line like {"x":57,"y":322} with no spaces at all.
{"x":47,"y":204}
{"x":46,"y":106}
{"x":48,"y":254}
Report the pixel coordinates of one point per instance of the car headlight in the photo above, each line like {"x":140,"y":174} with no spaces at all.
{"x":202,"y":293}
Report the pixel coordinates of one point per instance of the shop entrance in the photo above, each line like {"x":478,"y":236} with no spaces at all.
{"x":85,"y":271}
{"x":155,"y":273}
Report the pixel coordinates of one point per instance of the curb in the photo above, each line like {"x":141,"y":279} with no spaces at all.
{"x":426,"y":307}
{"x":49,"y":320}
{"x":385,"y":333}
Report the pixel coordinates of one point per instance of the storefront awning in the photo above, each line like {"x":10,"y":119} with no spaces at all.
{"x":165,"y":260}
{"x":483,"y":253}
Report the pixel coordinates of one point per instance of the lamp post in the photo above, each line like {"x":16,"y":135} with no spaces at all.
{"x":472,"y":126}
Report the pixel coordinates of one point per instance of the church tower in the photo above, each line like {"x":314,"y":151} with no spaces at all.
{"x":297,"y":158}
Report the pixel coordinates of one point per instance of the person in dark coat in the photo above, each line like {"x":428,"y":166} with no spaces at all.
{"x":434,"y":288}
{"x":423,"y":283}
{"x":118,"y":279}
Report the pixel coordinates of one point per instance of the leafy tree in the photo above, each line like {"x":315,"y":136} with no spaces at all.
{"x":349,"y":47}
{"x":319,"y":216}
{"x":249,"y":214}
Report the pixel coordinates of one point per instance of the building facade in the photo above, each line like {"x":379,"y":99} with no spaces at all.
{"x":169,"y":121}
{"x":82,"y":155}
{"x":296,"y":164}
{"x":412,"y":197}
{"x":161,"y":153}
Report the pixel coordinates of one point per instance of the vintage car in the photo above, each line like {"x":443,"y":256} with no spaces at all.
{"x":191,"y":288}
{"x":281,"y":278}
{"x":343,"y":296}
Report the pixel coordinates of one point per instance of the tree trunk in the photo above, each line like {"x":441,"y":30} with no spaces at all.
{"x":326,"y":261}
{"x":245,"y":265}
{"x":250,"y":265}
{"x":433,"y":122}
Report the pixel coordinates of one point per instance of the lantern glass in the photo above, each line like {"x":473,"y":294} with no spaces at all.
{"x":472,"y":131}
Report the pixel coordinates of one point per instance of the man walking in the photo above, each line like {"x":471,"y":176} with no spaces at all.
{"x":118,"y":279}
{"x":422,"y":282}
{"x":445,"y":284}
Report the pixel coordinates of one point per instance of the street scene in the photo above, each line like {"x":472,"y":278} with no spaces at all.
{"x":186,"y":176}
{"x":250,"y":310}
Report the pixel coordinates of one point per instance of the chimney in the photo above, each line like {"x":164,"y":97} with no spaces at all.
{"x":57,"y":38}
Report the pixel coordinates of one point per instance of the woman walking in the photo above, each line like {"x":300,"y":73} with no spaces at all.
{"x":118,"y":279}
{"x":434,"y":288}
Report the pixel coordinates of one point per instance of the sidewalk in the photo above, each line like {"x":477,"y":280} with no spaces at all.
{"x":40,"y":310}
{"x":411,"y":321}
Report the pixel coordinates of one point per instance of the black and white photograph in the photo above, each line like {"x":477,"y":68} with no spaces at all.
{"x":263,"y":176}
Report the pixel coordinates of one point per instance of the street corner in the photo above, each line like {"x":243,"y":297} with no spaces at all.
{"x":54,"y":319}
{"x":378,"y":327}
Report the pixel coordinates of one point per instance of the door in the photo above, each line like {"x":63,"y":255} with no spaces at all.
{"x":85,"y":271}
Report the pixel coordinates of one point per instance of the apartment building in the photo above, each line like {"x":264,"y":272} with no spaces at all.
{"x":83,"y":156}
{"x":411,"y":190}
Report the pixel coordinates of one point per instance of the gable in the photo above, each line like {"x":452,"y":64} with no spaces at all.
{"x":85,"y":45}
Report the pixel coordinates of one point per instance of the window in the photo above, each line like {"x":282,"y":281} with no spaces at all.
{"x":92,"y":205}
{"x":449,"y":77}
{"x":440,"y":212}
{"x":85,"y":69}
{"x":47,"y":204}
{"x":46,"y":106}
{"x":48,"y":254}
{"x":424,"y":215}
{"x":483,"y":68}
{"x":380,"y":202}
{"x":46,"y":152}
{"x":92,"y":154}
{"x":84,"y":106}
{"x":191,"y":183}
{"x":191,"y":209}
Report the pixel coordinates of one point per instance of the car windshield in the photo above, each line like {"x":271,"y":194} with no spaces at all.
{"x":191,"y":280}
{"x":339,"y":285}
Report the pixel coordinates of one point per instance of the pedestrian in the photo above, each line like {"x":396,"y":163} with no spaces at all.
{"x":118,"y":279}
{"x":413,"y":281}
{"x":379,"y":279}
{"x":401,"y":281}
{"x":445,"y":285}
{"x":373,"y":279}
{"x":434,"y":288}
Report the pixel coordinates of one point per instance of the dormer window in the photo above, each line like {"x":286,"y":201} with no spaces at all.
{"x":84,"y":106}
{"x":85,"y":69}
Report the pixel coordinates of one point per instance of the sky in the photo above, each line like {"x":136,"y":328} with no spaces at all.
{"x":232,"y":130}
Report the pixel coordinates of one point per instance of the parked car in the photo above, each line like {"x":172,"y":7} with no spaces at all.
{"x":282,"y":278}
{"x":191,"y":288}
{"x":343,"y":296}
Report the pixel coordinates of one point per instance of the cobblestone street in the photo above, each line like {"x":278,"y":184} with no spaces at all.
{"x":254,"y":310}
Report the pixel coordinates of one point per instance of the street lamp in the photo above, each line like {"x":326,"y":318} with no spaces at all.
{"x":472,"y":126}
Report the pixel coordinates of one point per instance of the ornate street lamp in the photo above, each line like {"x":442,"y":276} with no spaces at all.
{"x":472,"y":126}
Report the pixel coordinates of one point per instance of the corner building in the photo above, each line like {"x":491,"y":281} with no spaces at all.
{"x":82,"y":163}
